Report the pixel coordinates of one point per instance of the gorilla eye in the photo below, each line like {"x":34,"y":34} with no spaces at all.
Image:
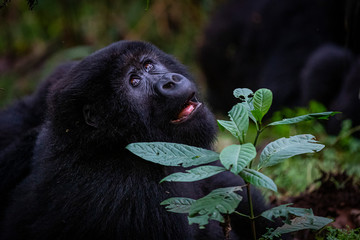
{"x":134,"y":81}
{"x":148,"y":66}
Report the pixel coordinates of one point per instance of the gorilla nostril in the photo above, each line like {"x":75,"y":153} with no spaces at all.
{"x":168,"y":85}
{"x":176,"y":78}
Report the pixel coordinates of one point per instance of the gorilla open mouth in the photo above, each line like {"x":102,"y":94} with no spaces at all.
{"x":188,"y":109}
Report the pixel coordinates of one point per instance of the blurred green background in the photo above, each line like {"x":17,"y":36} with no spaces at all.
{"x":32,"y":42}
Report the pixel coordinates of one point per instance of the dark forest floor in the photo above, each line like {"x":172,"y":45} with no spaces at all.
{"x":338,"y":197}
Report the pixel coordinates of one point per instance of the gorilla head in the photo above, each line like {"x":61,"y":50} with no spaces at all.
{"x":127,"y":92}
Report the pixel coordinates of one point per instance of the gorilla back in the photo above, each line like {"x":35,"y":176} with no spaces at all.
{"x":84,"y":184}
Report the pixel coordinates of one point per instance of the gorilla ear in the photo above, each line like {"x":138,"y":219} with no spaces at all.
{"x":89,"y":117}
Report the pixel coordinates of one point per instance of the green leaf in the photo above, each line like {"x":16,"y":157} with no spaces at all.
{"x":178,"y":204}
{"x":228,"y":125}
{"x":246,"y":97}
{"x":257,"y":179}
{"x":239,"y":124}
{"x":257,"y":114}
{"x":194,"y":174}
{"x":262,"y":101}
{"x":284,"y":148}
{"x":236,"y":157}
{"x":307,"y":117}
{"x":201,"y":221}
{"x":239,"y":116}
{"x":244,"y":94}
{"x":172,"y":154}
{"x":212,"y":206}
{"x":301,"y":223}
{"x":305,"y":219}
{"x":285,"y":211}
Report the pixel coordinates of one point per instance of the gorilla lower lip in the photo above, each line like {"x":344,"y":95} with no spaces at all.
{"x":190,"y":107}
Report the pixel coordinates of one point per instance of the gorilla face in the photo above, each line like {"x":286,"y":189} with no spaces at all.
{"x":171,"y":95}
{"x":127,"y":92}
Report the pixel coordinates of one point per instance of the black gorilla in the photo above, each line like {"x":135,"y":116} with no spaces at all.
{"x":83,"y":183}
{"x":265,"y":43}
{"x":302,"y":50}
{"x":331,"y":76}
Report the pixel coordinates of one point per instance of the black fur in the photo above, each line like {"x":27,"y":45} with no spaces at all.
{"x":82,"y":182}
{"x":302,"y":50}
{"x":331,"y":76}
{"x":266,"y":43}
{"x":19,"y":126}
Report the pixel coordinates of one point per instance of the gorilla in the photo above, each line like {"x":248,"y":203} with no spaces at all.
{"x":332,"y":77}
{"x":77,"y":180}
{"x":302,"y":50}
{"x":265,"y":44}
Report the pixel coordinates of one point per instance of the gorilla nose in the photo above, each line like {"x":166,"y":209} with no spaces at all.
{"x":174,"y":85}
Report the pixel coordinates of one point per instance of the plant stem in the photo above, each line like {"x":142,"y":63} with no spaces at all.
{"x":255,"y":141}
{"x":241,"y":214}
{"x":252,"y":217}
{"x":349,"y":133}
{"x":257,"y":136}
{"x":226,"y":226}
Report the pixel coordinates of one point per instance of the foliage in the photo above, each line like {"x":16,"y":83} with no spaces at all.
{"x":330,"y":233}
{"x":238,"y":159}
{"x":30,"y":38}
{"x":340,"y":155}
{"x":163,"y":22}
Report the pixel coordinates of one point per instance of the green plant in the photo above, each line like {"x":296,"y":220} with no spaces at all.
{"x":330,"y":233}
{"x":340,"y":155}
{"x":240,"y":159}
